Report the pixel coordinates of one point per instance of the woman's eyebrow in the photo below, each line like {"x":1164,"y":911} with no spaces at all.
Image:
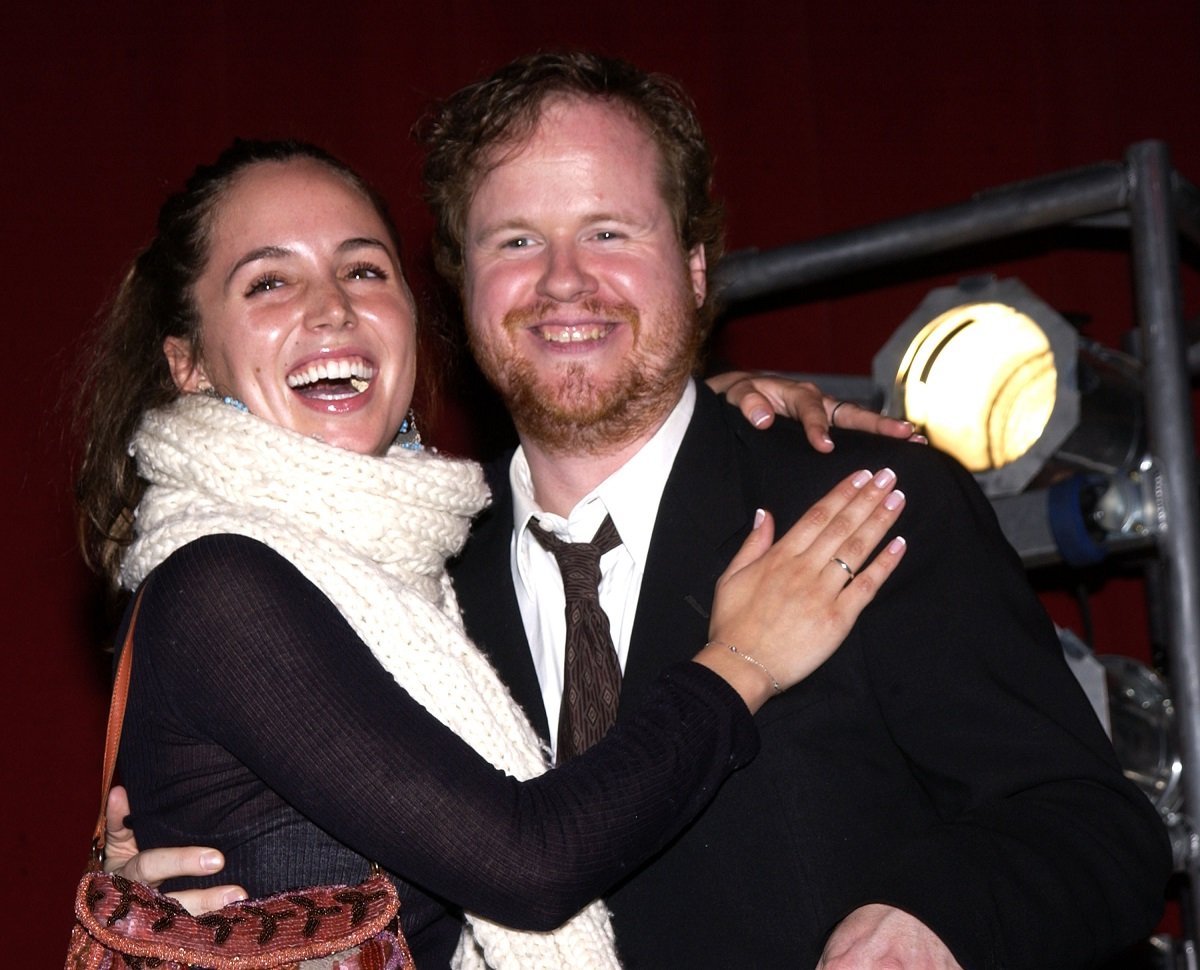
{"x":358,"y":242}
{"x":263,"y":252}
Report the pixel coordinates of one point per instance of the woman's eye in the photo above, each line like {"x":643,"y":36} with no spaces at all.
{"x":264,"y":284}
{"x":366,"y":271}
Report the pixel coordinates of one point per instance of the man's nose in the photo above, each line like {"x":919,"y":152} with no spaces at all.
{"x":566,"y":277}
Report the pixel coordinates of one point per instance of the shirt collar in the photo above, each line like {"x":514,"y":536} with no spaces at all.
{"x":630,"y":495}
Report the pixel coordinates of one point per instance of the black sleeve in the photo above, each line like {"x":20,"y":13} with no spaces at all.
{"x":257,"y":660}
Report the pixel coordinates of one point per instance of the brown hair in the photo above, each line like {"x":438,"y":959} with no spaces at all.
{"x":128,"y":373}
{"x":462,"y":133}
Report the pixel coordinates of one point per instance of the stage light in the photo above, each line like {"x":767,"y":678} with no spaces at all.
{"x":997,"y":378}
{"x":1133,"y":703}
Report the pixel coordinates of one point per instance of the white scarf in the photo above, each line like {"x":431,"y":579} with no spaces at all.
{"x":373,"y":534}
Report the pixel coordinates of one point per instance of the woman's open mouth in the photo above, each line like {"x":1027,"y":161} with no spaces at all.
{"x":332,"y":380}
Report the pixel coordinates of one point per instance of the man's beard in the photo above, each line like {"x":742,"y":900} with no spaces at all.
{"x":569,"y":413}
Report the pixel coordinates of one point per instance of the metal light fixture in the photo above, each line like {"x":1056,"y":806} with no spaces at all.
{"x":996,"y":377}
{"x":1135,"y":708}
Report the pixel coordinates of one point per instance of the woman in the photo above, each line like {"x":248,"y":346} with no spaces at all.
{"x":259,"y":360}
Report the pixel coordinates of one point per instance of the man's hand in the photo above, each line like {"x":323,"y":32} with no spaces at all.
{"x":121,"y":855}
{"x":878,"y":937}
{"x":760,"y":397}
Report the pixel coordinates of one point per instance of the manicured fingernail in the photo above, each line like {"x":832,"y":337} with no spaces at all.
{"x":896,"y":545}
{"x":919,"y":439}
{"x":860,"y":479}
{"x":759,"y":515}
{"x":893,"y":500}
{"x":211,"y":860}
{"x":884,"y":477}
{"x":759,"y":417}
{"x":232,"y":896}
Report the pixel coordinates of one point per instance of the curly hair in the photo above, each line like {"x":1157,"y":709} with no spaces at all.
{"x":128,"y":372}
{"x":461,"y":136}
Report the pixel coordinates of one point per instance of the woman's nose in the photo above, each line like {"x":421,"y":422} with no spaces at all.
{"x":330,"y":306}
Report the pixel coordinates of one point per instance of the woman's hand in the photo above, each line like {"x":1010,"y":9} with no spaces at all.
{"x":154,"y":866}
{"x":787,"y":606}
{"x":762,"y":396}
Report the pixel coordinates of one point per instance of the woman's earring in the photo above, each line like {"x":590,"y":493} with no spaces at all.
{"x":229,"y":399}
{"x":408,"y":436}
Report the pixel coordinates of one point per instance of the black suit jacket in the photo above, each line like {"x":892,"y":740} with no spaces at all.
{"x":943,"y":761}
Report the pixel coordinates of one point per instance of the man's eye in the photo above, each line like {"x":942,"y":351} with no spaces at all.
{"x":264,"y":284}
{"x":366,"y":271}
{"x":520,"y":242}
{"x":607,"y":234}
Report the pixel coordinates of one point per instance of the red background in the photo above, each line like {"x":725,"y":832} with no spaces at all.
{"x":824,"y":116}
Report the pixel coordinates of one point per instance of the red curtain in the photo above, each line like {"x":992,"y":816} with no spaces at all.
{"x":823,"y":117}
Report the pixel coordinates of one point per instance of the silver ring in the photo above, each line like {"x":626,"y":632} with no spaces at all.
{"x":833,"y":424}
{"x":846,"y":566}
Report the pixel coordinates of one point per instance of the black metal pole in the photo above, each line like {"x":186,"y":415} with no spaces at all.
{"x":1169,"y":424}
{"x":1013,"y":209}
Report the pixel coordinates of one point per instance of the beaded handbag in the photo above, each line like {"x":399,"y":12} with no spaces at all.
{"x":125,"y":925}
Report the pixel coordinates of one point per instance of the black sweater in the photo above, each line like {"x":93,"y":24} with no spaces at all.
{"x":259,"y":723}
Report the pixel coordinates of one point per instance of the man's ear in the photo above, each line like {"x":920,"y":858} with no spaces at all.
{"x":186,"y":371}
{"x":698,"y":270}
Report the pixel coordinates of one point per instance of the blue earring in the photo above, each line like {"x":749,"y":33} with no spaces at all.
{"x":408,"y":437}
{"x":229,"y":399}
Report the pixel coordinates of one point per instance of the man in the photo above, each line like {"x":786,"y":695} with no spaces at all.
{"x":940,"y":790}
{"x":939,"y":794}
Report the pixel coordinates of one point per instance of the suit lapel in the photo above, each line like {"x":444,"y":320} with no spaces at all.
{"x":701,"y":521}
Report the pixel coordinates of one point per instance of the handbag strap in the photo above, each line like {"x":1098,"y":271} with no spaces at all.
{"x":112,"y":741}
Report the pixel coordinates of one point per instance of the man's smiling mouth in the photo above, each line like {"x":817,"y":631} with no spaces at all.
{"x":558,"y":334}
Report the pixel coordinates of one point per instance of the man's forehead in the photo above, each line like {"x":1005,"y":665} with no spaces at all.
{"x":605,"y":142}
{"x":558,"y":109}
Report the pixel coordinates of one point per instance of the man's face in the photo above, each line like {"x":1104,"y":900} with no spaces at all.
{"x":580,"y":301}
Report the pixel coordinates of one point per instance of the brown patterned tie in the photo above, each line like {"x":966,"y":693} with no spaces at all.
{"x":592,"y":682}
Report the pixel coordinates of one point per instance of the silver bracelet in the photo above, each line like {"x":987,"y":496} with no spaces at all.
{"x":749,"y":659}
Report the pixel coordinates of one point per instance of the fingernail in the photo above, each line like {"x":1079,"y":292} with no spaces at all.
{"x":211,"y":861}
{"x":896,"y":545}
{"x":894,"y":500}
{"x":232,"y":896}
{"x":759,"y":417}
{"x":759,"y":515}
{"x":828,"y":440}
{"x":860,"y":479}
{"x":919,"y":439}
{"x":884,"y":477}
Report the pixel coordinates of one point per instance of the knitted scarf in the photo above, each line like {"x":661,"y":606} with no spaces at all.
{"x":373,"y":534}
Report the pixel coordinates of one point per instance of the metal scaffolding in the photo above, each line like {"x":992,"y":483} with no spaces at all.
{"x":1146,"y":195}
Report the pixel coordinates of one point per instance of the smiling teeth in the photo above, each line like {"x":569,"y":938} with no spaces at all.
{"x":353,"y":369}
{"x":572,"y":335}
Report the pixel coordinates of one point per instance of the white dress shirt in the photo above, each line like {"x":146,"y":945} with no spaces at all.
{"x":631,"y":496}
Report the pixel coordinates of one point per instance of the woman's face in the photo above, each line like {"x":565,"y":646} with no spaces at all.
{"x":304,"y":312}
